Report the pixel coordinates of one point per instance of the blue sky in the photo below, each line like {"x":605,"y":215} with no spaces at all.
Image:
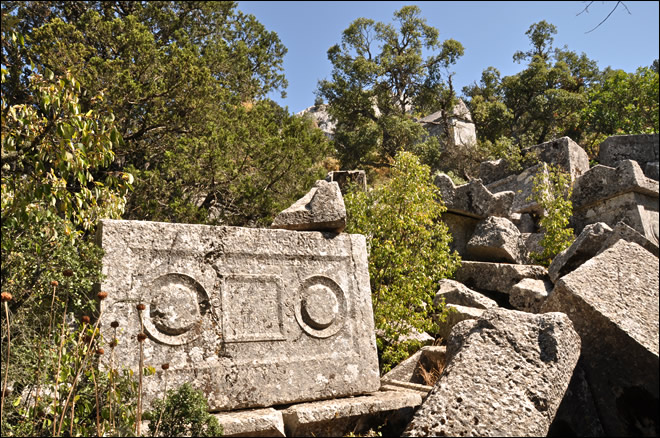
{"x":489,"y":31}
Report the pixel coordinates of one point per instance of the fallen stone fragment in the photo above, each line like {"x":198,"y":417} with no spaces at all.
{"x":457,"y":293}
{"x":257,"y":423}
{"x":506,"y":375}
{"x":522,"y":185}
{"x":321,"y":209}
{"x":582,"y":249}
{"x":497,"y":277}
{"x":461,"y":228}
{"x":356,"y":414}
{"x":495,"y":239}
{"x":613,"y":301}
{"x":623,"y":231}
{"x":562,"y":152}
{"x":416,"y":369}
{"x":473,"y":199}
{"x":530,"y":246}
{"x":529,"y":294}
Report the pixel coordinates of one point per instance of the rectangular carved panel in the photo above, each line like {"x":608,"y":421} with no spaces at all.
{"x":252,"y":317}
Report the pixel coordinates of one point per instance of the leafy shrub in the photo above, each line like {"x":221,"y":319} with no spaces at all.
{"x":183,"y":412}
{"x":553,"y":192}
{"x":408,"y":251}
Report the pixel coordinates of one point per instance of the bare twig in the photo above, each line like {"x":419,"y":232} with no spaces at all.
{"x":608,"y":15}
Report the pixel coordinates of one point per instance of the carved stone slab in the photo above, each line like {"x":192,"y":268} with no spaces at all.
{"x":252,"y":317}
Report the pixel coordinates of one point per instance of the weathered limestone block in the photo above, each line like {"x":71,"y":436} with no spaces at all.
{"x":473,"y":199}
{"x":461,"y":229}
{"x":607,"y":194}
{"x":612,"y":300}
{"x":529,"y":294}
{"x":522,"y":185}
{"x":321,"y":209}
{"x":506,"y":375}
{"x":495,"y":239}
{"x":494,"y":170}
{"x":582,"y":249}
{"x":256,"y":423}
{"x":457,"y":313}
{"x":456,"y":293}
{"x":524,"y":222}
{"x":356,"y":414}
{"x":562,"y":152}
{"x":642,"y":148}
{"x":251,"y":317}
{"x":346,"y":177}
{"x":623,"y":231}
{"x":498,"y":277}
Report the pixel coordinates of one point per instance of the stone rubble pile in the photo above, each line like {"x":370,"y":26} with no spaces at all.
{"x":276,"y":326}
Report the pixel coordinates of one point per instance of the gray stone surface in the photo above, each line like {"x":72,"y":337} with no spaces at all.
{"x":506,"y":375}
{"x":623,"y":231}
{"x":494,"y":170}
{"x":321,"y":209}
{"x":322,"y":119}
{"x":356,"y":414}
{"x":586,"y":246}
{"x":562,"y":152}
{"x":529,"y":294}
{"x":473,"y":199}
{"x":522,"y":186}
{"x":497,"y":277}
{"x":613,"y":301}
{"x":457,"y":313}
{"x":525,"y":222}
{"x":530,"y":245}
{"x":457,"y":293}
{"x":496,"y":239}
{"x":252,"y":317}
{"x":256,"y":423}
{"x":346,"y":177}
{"x":642,"y":148}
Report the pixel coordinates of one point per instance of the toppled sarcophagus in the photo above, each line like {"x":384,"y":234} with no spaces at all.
{"x":251,"y":317}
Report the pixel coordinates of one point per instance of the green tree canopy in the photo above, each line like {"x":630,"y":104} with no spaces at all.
{"x":379,"y":78}
{"x":177,"y":74}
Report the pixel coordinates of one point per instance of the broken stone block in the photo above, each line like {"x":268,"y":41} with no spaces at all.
{"x":506,"y":374}
{"x":529,"y":294}
{"x":562,"y":152}
{"x":494,"y":170}
{"x":497,"y":277}
{"x":344,"y":178}
{"x":607,"y":194}
{"x":522,"y":185}
{"x":356,"y":414}
{"x":642,"y":148}
{"x":456,"y":314}
{"x":456,"y":293}
{"x":582,"y":249}
{"x":623,"y":231}
{"x":473,"y":199}
{"x":251,"y":317}
{"x":256,"y":423}
{"x":321,"y":209}
{"x":612,"y":300}
{"x":495,"y":239}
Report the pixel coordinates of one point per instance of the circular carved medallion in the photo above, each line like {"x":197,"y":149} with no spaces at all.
{"x":321,"y":307}
{"x":175,"y":307}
